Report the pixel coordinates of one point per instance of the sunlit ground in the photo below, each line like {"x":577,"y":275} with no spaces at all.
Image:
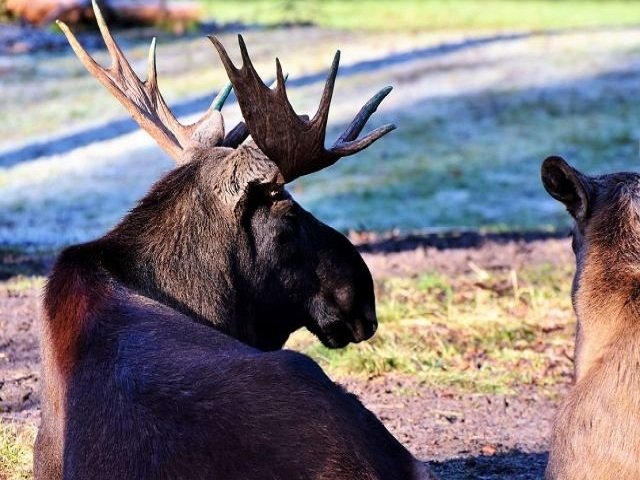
{"x":477,"y":110}
{"x":485,"y":332}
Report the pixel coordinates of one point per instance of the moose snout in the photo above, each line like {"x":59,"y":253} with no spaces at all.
{"x":364,"y":327}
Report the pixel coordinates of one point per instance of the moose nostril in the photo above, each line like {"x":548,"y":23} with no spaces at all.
{"x":374,"y":327}
{"x":364,"y":329}
{"x":370,"y":328}
{"x":371,"y":320}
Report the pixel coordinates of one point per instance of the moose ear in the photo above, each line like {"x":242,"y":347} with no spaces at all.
{"x":241,"y":170}
{"x":567,"y":185}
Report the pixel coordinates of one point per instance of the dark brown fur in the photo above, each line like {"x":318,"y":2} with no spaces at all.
{"x":140,"y":377}
{"x":161,"y":342}
{"x":597,"y":429}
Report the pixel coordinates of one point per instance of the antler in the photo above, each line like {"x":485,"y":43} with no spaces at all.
{"x":294,"y":142}
{"x":144,"y":101}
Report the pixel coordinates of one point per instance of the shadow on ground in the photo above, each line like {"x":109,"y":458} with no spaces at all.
{"x":448,"y":240}
{"x":115,"y":128}
{"x":514,"y":465}
{"x":14,"y":261}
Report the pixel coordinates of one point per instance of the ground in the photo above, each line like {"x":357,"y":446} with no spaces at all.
{"x":475,"y":344}
{"x":460,"y":406}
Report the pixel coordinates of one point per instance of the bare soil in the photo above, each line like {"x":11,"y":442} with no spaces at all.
{"x":463,"y":435}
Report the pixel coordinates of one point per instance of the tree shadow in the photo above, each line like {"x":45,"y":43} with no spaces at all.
{"x":513,"y":465}
{"x":15,"y":262}
{"x":83,"y":136}
{"x":452,"y":240}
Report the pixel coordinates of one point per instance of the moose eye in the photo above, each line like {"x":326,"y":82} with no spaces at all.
{"x":275,"y":193}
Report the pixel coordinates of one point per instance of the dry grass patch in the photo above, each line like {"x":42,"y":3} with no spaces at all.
{"x":483,"y":332}
{"x":16,"y":454}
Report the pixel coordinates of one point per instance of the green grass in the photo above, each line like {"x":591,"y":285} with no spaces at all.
{"x":16,"y":457}
{"x":486,"y":332}
{"x":21,"y":284}
{"x":417,"y":15}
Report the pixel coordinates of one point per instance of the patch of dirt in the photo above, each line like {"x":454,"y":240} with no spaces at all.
{"x":460,"y":253}
{"x":464,"y":436}
{"x":19,"y":352}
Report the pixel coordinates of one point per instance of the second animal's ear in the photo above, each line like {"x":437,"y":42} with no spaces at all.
{"x":567,"y":185}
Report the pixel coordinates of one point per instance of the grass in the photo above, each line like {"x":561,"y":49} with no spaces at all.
{"x":485,"y":332}
{"x":419,"y":15}
{"x":21,"y":267}
{"x":473,"y":126}
{"x":21,"y":284}
{"x":478,"y":167}
{"x":16,"y":455}
{"x":52,"y":93}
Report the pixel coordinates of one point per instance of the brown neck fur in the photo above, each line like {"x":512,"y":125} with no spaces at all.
{"x":173,"y":250}
{"x":606,"y":304}
{"x":607,"y":296}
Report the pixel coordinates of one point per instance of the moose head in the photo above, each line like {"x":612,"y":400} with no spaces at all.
{"x":219,"y":238}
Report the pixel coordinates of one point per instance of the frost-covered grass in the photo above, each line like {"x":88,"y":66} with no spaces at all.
{"x":46,"y":93}
{"x":485,"y":332}
{"x":474,"y":126}
{"x":473,"y":130}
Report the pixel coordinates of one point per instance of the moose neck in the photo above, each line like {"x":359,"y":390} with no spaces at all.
{"x":607,"y":303}
{"x":179,"y":248}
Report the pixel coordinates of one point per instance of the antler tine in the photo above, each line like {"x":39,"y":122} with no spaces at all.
{"x":167,"y":116}
{"x":152,"y":73}
{"x":112,"y":47}
{"x":345,"y":149}
{"x":240,"y":132}
{"x":233,"y":72}
{"x":246,"y":61}
{"x":322,"y":115}
{"x":143,"y":100}
{"x":224,"y":57}
{"x":293,"y":141}
{"x":282,"y":91}
{"x":358,"y":123}
{"x":236,"y":135}
{"x":347,"y":144}
{"x":221,"y":98}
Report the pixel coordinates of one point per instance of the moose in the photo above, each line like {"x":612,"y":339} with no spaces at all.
{"x":162,"y":340}
{"x":596,"y":432}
